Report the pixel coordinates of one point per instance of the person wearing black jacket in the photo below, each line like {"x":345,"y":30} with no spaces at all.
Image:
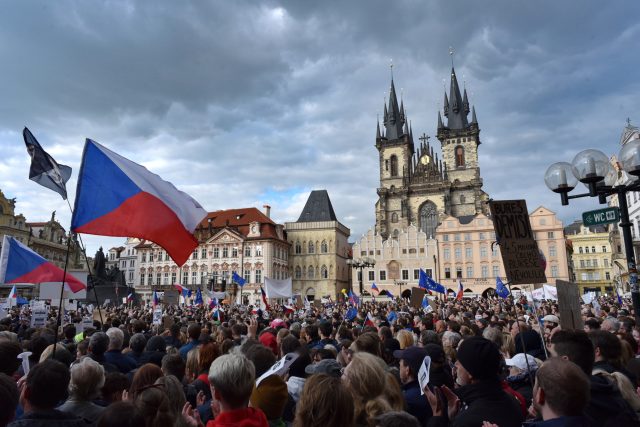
{"x":479,"y":397}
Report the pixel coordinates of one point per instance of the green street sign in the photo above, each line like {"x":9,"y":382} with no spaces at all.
{"x":601,"y":216}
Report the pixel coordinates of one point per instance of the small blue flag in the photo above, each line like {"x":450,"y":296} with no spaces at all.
{"x":501,"y":289}
{"x":392,"y":316}
{"x":237,"y":279}
{"x":425,"y":302}
{"x":199,"y":300}
{"x":351,"y":314}
{"x":619,"y":297}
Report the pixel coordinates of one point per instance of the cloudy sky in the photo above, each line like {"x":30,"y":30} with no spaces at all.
{"x":242,"y":103}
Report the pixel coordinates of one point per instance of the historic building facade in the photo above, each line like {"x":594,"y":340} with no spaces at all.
{"x":431,"y":211}
{"x":245,"y":241}
{"x":319,"y":249}
{"x":592,"y":257}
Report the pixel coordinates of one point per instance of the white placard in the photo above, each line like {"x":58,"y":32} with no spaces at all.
{"x":38,"y":318}
{"x":279,"y":368}
{"x":87,"y":323}
{"x":38,"y":304}
{"x":70,"y":305}
{"x":157,"y":316}
{"x":423,"y":373}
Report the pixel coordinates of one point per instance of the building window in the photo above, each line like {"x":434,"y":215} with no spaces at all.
{"x":173,"y":277}
{"x":593,"y":249}
{"x":456,"y":237}
{"x":445,"y":237}
{"x":552,"y":251}
{"x":247,"y":251}
{"x":606,"y":262}
{"x":150,"y":279}
{"x":150,"y":256}
{"x":554,"y":271}
{"x":468,"y":252}
{"x":582,"y":265}
{"x":324,"y":273}
{"x":485,"y":271}
{"x":483,"y":251}
{"x":405,"y":274}
{"x":142,"y":279}
{"x":216,"y":252}
{"x":259,"y":250}
{"x":543,"y":221}
{"x":428,"y":219}
{"x":247,"y":276}
{"x":310,"y":272}
{"x":459,"y":272}
{"x":595,"y":262}
{"x":458,"y":253}
{"x":166,"y":256}
{"x":324,"y":248}
{"x":429,"y":272}
{"x":165,"y":279}
{"x":185,"y":277}
{"x":496,"y":270}
{"x":586,"y":249}
{"x":194,"y":255}
{"x":194,"y":277}
{"x":588,"y":263}
{"x":203,"y":253}
{"x":225,"y":252}
{"x":607,"y":275}
{"x":394,"y":217}
{"x":132,"y":263}
{"x":372,"y":275}
{"x":469,"y":271}
{"x":549,"y":234}
{"x":258,"y":276}
{"x":459,"y":156}
{"x":234,"y":252}
{"x":383,"y":275}
{"x":446,"y":253}
{"x":416,"y":274}
{"x":447,"y":273}
{"x":298,"y":272}
{"x":481,"y":236}
{"x":604,"y":249}
{"x":158,"y":278}
{"x":467,"y":236}
{"x":494,"y":252}
{"x":394,"y":165}
{"x":144,"y":257}
{"x":298,"y":247}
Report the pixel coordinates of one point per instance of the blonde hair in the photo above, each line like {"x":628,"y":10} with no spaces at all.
{"x":508,"y":345}
{"x":192,"y":367}
{"x":366,"y":379}
{"x":405,"y":338}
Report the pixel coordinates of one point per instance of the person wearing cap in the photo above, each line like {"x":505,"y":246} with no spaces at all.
{"x":521,"y":368}
{"x":325,"y":366}
{"x":411,"y":359}
{"x":480,"y":394}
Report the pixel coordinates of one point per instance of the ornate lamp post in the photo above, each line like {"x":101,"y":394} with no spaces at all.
{"x":359,"y":264}
{"x":593,"y":169}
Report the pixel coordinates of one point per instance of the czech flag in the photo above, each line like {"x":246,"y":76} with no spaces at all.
{"x":183,"y":291}
{"x":287,"y":309}
{"x":13,"y":293}
{"x":375,"y":288}
{"x":460,"y":293}
{"x":117,"y":197}
{"x":156,"y":301}
{"x":369,"y":320}
{"x":19,"y":264}
{"x":130,"y":297}
{"x":264,"y":299}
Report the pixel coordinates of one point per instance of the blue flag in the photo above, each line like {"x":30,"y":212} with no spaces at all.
{"x":501,"y":289}
{"x":619,"y":297}
{"x":428,"y":283}
{"x":351,"y":314}
{"x":425,"y":302}
{"x":237,"y":279}
{"x":392,"y":316}
{"x":199,"y":300}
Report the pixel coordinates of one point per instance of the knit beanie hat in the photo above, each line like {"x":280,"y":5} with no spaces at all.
{"x":480,"y":357}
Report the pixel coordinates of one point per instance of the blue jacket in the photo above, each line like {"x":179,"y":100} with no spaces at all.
{"x":417,"y":404}
{"x":187,"y":347}
{"x":123,"y":362}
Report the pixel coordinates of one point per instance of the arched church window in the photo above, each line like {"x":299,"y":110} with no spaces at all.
{"x":459,"y":156}
{"x":323,"y":247}
{"x":310,"y":272}
{"x":394,"y":217}
{"x":298,"y":247}
{"x":312,"y":248}
{"x":394,"y":165}
{"x":298,"y":272}
{"x":396,"y":233}
{"x":428,"y":218}
{"x":324,"y":273}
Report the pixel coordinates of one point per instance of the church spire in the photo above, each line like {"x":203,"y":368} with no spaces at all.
{"x":457,"y":116}
{"x":378,"y":136}
{"x":474,"y":120}
{"x":465,"y":102}
{"x":393,"y":117}
{"x":446,"y":105}
{"x":440,"y":125}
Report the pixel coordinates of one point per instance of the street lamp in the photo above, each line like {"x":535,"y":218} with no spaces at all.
{"x":359,"y":264}
{"x":593,"y":169}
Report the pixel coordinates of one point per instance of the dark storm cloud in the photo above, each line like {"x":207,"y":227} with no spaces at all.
{"x":236,"y":102}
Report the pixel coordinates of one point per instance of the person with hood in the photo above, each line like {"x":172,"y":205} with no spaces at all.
{"x":154,"y":351}
{"x":480,"y":396}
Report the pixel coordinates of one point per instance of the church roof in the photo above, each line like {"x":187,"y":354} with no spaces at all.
{"x":466,"y":219}
{"x":318,"y":208}
{"x":629,"y":133}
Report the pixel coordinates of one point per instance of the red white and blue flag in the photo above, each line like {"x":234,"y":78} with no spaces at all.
{"x":375,"y":288}
{"x":460,"y":293}
{"x":19,"y":264}
{"x":264,"y":299}
{"x":287,"y":309}
{"x":13,"y":293}
{"x":369,"y":320}
{"x":117,"y":197}
{"x":156,"y":301}
{"x":130,"y":297}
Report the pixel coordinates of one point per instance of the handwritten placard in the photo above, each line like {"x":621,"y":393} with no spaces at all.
{"x":520,"y":255}
{"x":279,"y":368}
{"x":423,"y":373}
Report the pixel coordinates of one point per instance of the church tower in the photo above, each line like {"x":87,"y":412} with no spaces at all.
{"x":460,"y":140}
{"x":395,"y":149}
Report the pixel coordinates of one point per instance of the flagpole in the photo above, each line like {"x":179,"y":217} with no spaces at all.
{"x":84,"y":252}
{"x":64,"y":279}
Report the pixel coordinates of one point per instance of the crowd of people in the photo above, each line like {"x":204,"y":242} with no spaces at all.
{"x":491,"y":362}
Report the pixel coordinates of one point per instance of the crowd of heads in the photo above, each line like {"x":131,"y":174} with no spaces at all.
{"x":192,"y":370}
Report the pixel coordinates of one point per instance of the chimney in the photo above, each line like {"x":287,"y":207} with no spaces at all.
{"x":267,"y":211}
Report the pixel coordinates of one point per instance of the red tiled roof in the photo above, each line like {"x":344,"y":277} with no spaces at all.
{"x":236,"y":217}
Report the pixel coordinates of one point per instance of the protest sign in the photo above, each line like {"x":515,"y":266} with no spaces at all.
{"x":157,"y":316}
{"x":569,"y":305}
{"x":70,"y":305}
{"x":171,"y":297}
{"x":38,"y":304}
{"x":38,"y":317}
{"x":87,"y":323}
{"x":279,"y":368}
{"x":520,"y":254}
{"x":417,"y":295}
{"x":423,"y":373}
